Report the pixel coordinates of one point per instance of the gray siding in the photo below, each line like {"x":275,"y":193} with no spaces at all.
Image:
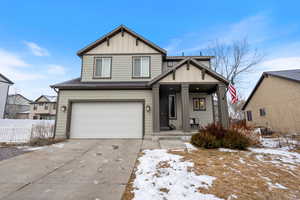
{"x":66,"y":95}
{"x":205,"y":117}
{"x":121,"y":67}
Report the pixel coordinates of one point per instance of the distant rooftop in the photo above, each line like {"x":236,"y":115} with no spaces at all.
{"x":293,"y":74}
{"x":51,"y":98}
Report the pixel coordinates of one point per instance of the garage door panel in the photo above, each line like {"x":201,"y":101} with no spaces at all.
{"x":107,"y":120}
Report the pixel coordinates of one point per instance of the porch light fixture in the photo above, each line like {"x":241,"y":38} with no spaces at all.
{"x":197,"y":88}
{"x":63,"y":108}
{"x":148,"y":108}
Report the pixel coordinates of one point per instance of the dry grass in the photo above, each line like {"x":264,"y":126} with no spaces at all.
{"x":45,"y":141}
{"x":239,"y":173}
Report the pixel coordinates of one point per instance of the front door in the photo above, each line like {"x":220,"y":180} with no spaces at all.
{"x":164,"y":112}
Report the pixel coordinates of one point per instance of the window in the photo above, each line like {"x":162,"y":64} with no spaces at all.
{"x":249,"y":115}
{"x":262,"y":112}
{"x":54,"y":106}
{"x":141,"y":67}
{"x":34,"y":106}
{"x":102,"y":67}
{"x":199,"y":104}
{"x":46,"y":106}
{"x":170,"y":63}
{"x":172,"y":106}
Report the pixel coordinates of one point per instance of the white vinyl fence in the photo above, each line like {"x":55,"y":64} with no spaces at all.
{"x":23,"y":130}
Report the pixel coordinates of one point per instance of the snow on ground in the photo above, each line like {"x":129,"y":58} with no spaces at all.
{"x":282,"y":143}
{"x":190,"y":147}
{"x":161,"y":175}
{"x":277,"y":157}
{"x":227,"y":150}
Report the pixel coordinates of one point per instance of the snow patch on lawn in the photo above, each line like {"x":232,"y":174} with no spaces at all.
{"x":276,"y":186}
{"x":227,"y":150}
{"x":190,"y":147}
{"x":161,"y":175}
{"x":278,"y":157}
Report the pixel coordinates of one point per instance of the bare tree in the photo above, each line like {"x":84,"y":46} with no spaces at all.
{"x":234,"y":59}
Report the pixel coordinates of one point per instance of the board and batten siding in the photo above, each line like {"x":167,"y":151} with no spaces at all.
{"x":66,"y":95}
{"x":166,"y":68}
{"x":121,"y":67}
{"x":121,"y":45}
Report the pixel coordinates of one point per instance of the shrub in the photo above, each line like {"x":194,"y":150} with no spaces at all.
{"x":215,"y":136}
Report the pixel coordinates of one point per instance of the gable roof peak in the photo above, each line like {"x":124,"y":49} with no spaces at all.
{"x":195,"y":63}
{"x":116,"y":31}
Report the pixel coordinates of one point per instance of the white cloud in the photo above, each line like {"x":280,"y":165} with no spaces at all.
{"x":36,"y":49}
{"x":56,"y":70}
{"x":14,"y":67}
{"x":283,"y":63}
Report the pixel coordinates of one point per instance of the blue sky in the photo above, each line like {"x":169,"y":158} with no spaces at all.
{"x":39,"y":39}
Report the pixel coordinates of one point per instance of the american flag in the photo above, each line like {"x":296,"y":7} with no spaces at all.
{"x":232,"y":92}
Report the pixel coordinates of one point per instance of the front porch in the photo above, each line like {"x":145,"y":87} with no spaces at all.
{"x":182,"y":108}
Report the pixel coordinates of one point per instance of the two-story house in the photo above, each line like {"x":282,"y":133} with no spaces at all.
{"x":130,"y":88}
{"x":17,"y":107}
{"x":4,"y":88}
{"x":274,"y":102}
{"x":43,"y":108}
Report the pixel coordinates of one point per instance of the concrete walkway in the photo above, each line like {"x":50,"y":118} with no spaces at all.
{"x":80,"y":169}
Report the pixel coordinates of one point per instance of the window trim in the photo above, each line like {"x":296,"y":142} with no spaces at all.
{"x":94,"y":67}
{"x":249,"y":113}
{"x":195,"y":98}
{"x":175,"y":106}
{"x":132,"y":72}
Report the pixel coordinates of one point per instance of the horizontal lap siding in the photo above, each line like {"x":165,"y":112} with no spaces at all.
{"x":66,"y":95}
{"x":121,"y":67}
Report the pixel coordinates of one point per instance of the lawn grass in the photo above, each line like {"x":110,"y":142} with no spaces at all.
{"x":241,"y":174}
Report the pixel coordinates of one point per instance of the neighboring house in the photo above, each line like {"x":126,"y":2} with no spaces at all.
{"x":4,"y":88}
{"x":43,"y":107}
{"x":130,"y":88}
{"x":275,"y":101}
{"x":17,"y":107}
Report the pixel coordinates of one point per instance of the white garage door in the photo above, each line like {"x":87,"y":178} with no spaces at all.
{"x":107,"y":120}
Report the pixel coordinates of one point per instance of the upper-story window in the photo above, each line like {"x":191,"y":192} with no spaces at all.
{"x":170,"y":64}
{"x":141,"y":67}
{"x":46,"y":106}
{"x":102,"y":67}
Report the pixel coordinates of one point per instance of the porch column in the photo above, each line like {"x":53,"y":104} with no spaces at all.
{"x":222,"y":105}
{"x":185,"y":107}
{"x":155,"y":105}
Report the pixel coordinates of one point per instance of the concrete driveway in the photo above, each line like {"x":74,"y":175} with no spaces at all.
{"x":79,"y":169}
